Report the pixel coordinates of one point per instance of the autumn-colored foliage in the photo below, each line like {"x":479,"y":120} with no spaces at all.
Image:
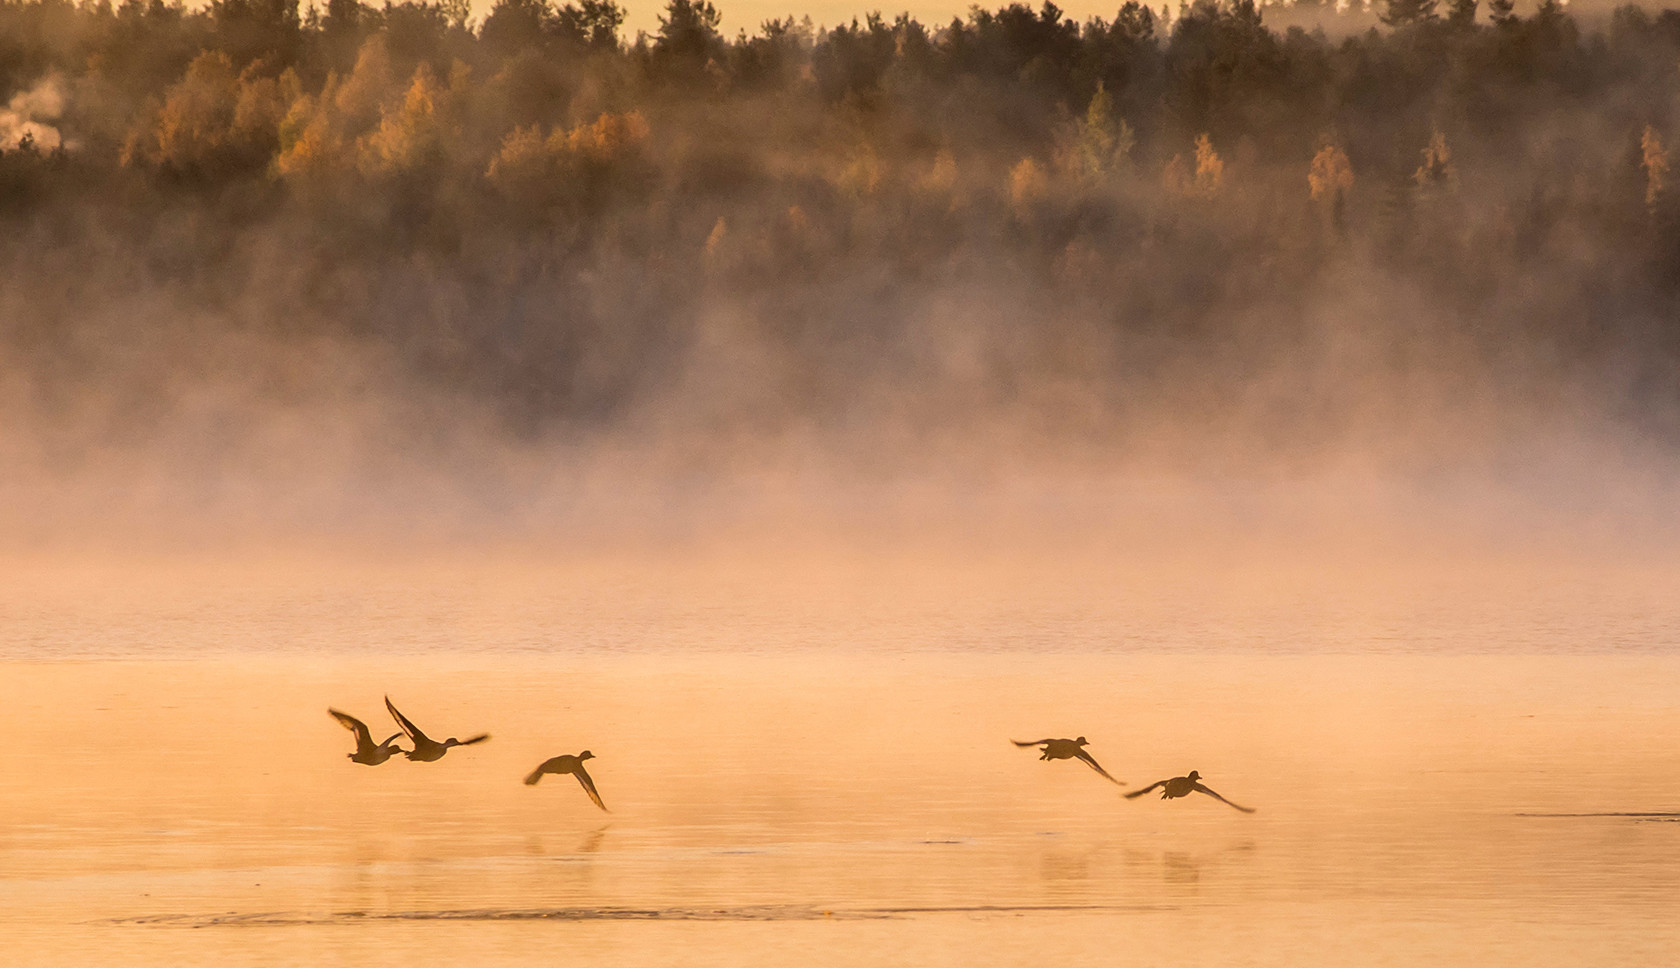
{"x":570,"y":163}
{"x":1654,"y":158}
{"x":214,"y":120}
{"x":1437,"y":169}
{"x":1331,"y":175}
{"x":1206,"y":180}
{"x":1097,"y":145}
{"x":529,"y":196}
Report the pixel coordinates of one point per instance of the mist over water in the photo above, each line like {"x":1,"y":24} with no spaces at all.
{"x":380,"y":276}
{"x":795,"y":418}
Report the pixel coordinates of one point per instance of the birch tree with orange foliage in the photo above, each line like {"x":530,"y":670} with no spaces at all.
{"x":319,"y":135}
{"x":1654,"y":159}
{"x":1205,"y":182}
{"x":213,"y":121}
{"x":570,"y":165}
{"x":1027,"y":187}
{"x":1436,"y":171}
{"x":415,"y":135}
{"x":1329,"y":179}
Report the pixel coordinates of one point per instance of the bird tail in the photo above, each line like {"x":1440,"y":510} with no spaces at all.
{"x":536,"y":775}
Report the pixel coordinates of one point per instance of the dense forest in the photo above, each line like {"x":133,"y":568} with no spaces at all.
{"x":1174,"y":218}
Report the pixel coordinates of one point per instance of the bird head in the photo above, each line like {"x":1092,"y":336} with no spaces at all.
{"x":1082,"y":741}
{"x":1193,"y":775}
{"x":586,"y":755}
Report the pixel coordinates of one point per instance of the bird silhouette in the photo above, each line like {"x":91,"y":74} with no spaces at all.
{"x":426,"y":749}
{"x":574,"y":766}
{"x":1067,"y":749}
{"x":367,"y":753}
{"x":1183,"y":786}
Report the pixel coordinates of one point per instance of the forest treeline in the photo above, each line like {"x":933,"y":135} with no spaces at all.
{"x":545,"y":213}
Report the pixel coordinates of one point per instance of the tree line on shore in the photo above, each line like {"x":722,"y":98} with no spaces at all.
{"x":538,"y":208}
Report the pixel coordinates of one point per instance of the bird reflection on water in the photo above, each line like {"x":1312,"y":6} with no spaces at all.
{"x":455,"y":877}
{"x":591,"y":844}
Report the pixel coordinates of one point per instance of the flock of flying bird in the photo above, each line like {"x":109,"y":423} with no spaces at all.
{"x":426,"y":750}
{"x":1171,"y":788}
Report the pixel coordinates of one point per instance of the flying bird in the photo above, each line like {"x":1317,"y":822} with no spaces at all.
{"x":426,"y":749}
{"x":1183,"y":786}
{"x":366,"y":753}
{"x":574,"y":766}
{"x":1067,"y":749}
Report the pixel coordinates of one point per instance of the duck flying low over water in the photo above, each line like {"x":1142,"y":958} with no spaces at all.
{"x":426,"y":749}
{"x":1067,"y":749}
{"x":367,"y":752}
{"x":1183,"y":786}
{"x":574,"y":766}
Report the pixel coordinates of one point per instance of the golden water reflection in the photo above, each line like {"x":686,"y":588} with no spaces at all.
{"x":841,"y":809}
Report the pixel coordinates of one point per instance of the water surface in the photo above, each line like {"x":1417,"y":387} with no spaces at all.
{"x":818,"y":771}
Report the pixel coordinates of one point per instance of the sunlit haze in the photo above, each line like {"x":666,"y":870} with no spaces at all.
{"x":541,"y":483}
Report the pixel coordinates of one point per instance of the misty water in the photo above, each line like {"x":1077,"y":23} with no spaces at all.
{"x":793,"y":416}
{"x":807,"y":760}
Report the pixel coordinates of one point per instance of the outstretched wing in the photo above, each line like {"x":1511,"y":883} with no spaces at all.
{"x":1036,"y":742}
{"x":412,"y":730}
{"x":1203,"y":789}
{"x":389,"y":739}
{"x":589,"y":786}
{"x":363,"y":739}
{"x":1092,"y":763}
{"x":1150,"y":788}
{"x":537,"y":774}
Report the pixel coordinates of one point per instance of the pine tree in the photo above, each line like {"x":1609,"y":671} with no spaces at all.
{"x":1403,"y":13}
{"x":1461,"y":14}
